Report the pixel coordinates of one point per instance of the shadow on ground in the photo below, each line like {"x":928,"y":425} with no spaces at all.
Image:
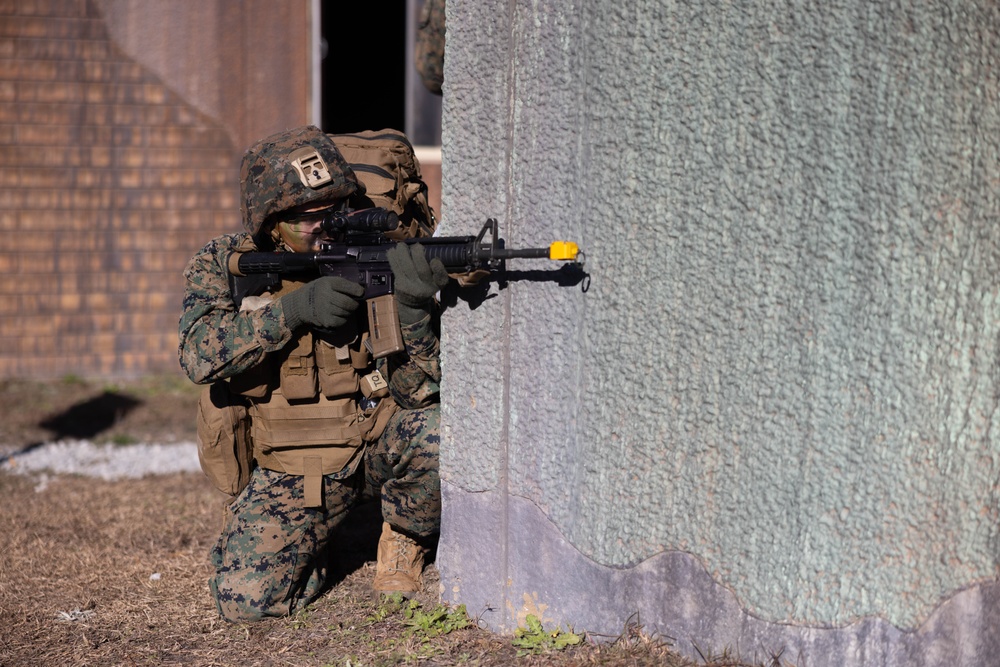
{"x":83,"y":420}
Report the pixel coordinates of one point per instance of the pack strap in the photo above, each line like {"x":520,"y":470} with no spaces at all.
{"x":311,"y":465}
{"x":312,"y":482}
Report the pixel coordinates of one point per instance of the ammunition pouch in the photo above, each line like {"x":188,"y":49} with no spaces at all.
{"x":316,"y":438}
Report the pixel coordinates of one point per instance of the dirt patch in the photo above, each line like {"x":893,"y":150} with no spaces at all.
{"x":115,"y":573}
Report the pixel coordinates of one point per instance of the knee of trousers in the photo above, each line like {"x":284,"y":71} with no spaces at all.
{"x":270,"y":560}
{"x":241,"y":597}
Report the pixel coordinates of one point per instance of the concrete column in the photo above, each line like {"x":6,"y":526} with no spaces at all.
{"x":772,"y":420}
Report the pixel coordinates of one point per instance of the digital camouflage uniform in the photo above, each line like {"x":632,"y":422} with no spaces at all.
{"x":274,"y":554}
{"x":429,"y":47}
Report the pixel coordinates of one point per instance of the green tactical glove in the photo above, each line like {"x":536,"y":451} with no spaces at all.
{"x":326,"y":302}
{"x":417,"y":280}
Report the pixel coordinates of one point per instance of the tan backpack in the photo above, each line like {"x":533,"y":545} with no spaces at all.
{"x":383,"y":160}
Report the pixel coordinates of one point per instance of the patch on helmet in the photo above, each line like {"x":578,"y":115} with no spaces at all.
{"x":311,"y":167}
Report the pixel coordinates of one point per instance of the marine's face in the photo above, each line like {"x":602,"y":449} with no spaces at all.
{"x":301,"y":229}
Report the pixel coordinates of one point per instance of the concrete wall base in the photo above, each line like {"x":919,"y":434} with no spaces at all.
{"x":671,"y":594}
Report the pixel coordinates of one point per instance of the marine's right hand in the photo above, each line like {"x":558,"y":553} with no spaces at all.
{"x":326,"y":302}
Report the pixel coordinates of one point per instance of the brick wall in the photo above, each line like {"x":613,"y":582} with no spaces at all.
{"x":122,"y":123}
{"x":109,"y":182}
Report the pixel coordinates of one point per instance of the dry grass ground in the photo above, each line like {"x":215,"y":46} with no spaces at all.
{"x":114,"y":573}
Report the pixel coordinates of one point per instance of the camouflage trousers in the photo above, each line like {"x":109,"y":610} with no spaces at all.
{"x":275,"y":555}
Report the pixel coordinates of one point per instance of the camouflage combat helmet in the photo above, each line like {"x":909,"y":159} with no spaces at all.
{"x":289,"y":169}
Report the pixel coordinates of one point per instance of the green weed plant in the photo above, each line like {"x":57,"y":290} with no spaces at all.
{"x":536,"y":639}
{"x":438,"y":621}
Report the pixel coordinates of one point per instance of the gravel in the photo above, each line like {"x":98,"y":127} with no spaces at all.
{"x":108,"y":462}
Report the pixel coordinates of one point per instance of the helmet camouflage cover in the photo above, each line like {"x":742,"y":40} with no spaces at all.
{"x":289,"y":169}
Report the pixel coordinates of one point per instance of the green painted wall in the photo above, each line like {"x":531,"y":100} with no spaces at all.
{"x":786,"y":366}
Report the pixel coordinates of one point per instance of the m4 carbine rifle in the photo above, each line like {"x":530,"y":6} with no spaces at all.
{"x":361,"y":258}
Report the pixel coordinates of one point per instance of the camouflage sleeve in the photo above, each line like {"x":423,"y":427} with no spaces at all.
{"x":415,"y":377}
{"x":216,"y":340}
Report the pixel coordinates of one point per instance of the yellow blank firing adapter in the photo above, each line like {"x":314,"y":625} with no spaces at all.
{"x":563,"y":250}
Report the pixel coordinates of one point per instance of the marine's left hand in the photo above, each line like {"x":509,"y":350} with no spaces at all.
{"x":417,"y":280}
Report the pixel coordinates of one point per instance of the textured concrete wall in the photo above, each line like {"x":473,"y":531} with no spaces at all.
{"x":772,"y":420}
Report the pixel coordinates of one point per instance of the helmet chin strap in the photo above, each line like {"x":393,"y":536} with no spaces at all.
{"x":275,"y":236}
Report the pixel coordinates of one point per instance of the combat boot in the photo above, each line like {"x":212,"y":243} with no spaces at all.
{"x":400,"y":564}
